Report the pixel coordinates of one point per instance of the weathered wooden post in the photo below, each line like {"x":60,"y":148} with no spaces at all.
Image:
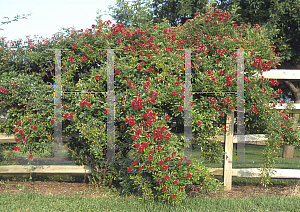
{"x":227,"y":164}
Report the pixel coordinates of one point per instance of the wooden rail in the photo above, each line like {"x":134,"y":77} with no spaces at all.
{"x":82,"y":170}
{"x":4,"y":138}
{"x":45,"y":170}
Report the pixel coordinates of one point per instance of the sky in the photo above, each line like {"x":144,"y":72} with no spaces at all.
{"x":49,"y":16}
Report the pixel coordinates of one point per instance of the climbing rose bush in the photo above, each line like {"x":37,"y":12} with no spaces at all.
{"x":149,"y":75}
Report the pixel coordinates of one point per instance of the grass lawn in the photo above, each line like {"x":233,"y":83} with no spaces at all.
{"x":31,"y":202}
{"x":254,"y":153}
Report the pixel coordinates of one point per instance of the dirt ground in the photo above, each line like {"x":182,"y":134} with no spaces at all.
{"x":83,"y":189}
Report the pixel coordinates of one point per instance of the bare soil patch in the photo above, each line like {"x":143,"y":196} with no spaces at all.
{"x":249,"y":191}
{"x":83,"y":189}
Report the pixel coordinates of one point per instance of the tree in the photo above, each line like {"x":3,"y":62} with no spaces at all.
{"x":282,"y":18}
{"x":138,"y":14}
{"x":178,"y":11}
{"x":16,"y":18}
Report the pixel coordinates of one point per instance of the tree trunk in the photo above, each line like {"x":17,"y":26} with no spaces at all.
{"x":288,"y":151}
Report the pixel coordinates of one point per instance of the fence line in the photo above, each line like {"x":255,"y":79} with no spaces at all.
{"x":83,"y":170}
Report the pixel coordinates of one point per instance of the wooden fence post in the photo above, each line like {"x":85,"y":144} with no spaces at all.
{"x":227,"y":164}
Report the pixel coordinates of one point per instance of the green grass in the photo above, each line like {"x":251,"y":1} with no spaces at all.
{"x":110,"y":202}
{"x":254,"y":153}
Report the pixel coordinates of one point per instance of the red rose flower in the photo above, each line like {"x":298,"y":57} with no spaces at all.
{"x":165,"y":167}
{"x":164,"y":188}
{"x":129,"y":168}
{"x":180,"y":108}
{"x":188,"y":175}
{"x":176,"y":181}
{"x":140,"y":168}
{"x":52,"y":121}
{"x":34,"y":127}
{"x":19,"y":122}
{"x":173,"y":195}
{"x":30,"y":156}
{"x":17,"y":140}
{"x":161,"y":162}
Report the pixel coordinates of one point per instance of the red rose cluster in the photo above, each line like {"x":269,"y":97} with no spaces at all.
{"x":85,"y":100}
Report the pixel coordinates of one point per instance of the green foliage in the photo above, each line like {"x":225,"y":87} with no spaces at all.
{"x":212,"y":151}
{"x":281,"y":19}
{"x":290,"y":135}
{"x":9,"y":156}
